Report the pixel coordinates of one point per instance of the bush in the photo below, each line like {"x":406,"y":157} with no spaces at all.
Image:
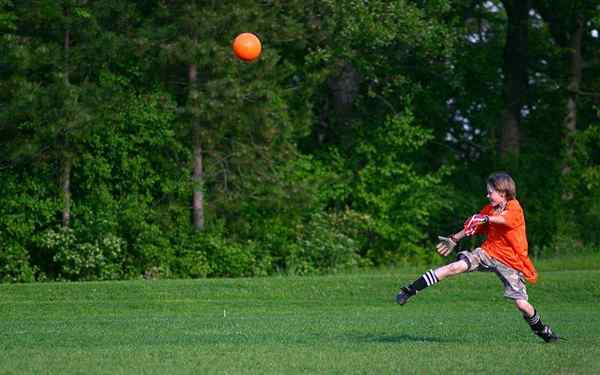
{"x":229,"y":259}
{"x":321,"y":247}
{"x":24,"y":208}
{"x":583,"y":184}
{"x":149,"y":252}
{"x":391,"y":185}
{"x":562,"y":246}
{"x":212,"y":255}
{"x":190,"y":259}
{"x":14,"y":263}
{"x":192,"y":264}
{"x":100,"y":260}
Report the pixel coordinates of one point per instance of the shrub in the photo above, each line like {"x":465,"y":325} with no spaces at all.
{"x":583,"y":184}
{"x":99,"y":260}
{"x":190,"y":259}
{"x":14,"y":263}
{"x":226,"y":258}
{"x":321,"y":247}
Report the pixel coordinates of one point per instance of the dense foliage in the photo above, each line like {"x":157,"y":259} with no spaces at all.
{"x":133,"y":143}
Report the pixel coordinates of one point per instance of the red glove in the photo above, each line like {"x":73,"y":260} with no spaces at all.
{"x":473,"y":222}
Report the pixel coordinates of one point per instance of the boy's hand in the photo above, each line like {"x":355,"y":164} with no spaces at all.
{"x":473,"y":222}
{"x":445,"y":246}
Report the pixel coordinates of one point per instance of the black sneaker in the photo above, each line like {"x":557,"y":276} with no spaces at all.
{"x":403,"y":295}
{"x":547,"y":335}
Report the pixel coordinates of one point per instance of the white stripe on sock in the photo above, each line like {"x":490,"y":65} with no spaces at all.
{"x":435,"y":279}
{"x":430,"y":278}
{"x":534,"y":319}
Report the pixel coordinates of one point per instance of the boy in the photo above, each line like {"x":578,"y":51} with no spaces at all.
{"x":503,"y":252}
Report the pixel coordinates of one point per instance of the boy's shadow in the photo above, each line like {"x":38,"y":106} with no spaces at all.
{"x":398,"y":339}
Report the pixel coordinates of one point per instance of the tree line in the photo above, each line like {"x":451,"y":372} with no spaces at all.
{"x":134,"y":144}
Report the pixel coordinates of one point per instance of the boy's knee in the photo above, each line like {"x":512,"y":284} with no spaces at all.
{"x":458,"y":266}
{"x":451,"y":269}
{"x":525,"y":307}
{"x":521,"y":303}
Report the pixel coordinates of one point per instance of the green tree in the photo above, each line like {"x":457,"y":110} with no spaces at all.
{"x":569,"y":25}
{"x":383,"y":60}
{"x":516,"y":51}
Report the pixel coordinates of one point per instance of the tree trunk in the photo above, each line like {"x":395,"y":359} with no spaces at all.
{"x":66,"y":162}
{"x":67,"y":46}
{"x":198,"y":174}
{"x":336,"y":114}
{"x":345,"y":88}
{"x":65,"y":184}
{"x":515,"y":81}
{"x":574,"y":82}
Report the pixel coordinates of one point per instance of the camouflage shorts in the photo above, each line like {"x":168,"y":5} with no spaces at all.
{"x":479,"y":260}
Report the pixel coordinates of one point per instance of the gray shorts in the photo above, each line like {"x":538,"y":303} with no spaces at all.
{"x":479,"y":260}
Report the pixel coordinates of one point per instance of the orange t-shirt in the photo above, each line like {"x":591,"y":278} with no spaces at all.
{"x":508,"y":242}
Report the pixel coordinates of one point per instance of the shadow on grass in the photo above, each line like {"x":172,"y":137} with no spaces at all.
{"x":399,"y":339}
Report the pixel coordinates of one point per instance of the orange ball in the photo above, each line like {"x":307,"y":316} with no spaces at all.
{"x":247,"y":47}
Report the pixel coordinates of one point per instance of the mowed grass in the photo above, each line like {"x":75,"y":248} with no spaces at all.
{"x":341,"y":324}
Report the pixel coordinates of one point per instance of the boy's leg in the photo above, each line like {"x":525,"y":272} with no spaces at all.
{"x":430,"y":278}
{"x":515,"y":289}
{"x":452,"y":269}
{"x":532,"y":317}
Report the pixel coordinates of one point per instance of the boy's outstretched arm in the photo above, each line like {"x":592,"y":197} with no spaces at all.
{"x":447,"y":244}
{"x":460,"y":235}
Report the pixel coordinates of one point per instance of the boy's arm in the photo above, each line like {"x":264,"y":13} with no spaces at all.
{"x":497,"y":219}
{"x":512,"y":217}
{"x":458,"y":236}
{"x":447,"y":244}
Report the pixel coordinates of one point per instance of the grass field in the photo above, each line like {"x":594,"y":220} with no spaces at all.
{"x":281,"y":325}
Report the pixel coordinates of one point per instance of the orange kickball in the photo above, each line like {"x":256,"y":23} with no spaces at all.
{"x":247,"y":47}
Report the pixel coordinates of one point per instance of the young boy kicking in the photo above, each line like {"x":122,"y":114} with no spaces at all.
{"x":503,"y":252}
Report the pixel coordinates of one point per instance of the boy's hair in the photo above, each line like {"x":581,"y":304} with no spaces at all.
{"x":502,"y":182}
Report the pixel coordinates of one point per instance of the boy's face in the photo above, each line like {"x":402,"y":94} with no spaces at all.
{"x":494,"y":196}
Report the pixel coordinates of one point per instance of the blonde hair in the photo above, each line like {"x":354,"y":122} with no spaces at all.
{"x":503,"y":183}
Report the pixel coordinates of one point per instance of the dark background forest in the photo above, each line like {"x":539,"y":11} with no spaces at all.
{"x":134,"y":144}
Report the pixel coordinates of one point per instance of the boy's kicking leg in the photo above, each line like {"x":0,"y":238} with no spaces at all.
{"x":532,"y":317}
{"x":430,"y":278}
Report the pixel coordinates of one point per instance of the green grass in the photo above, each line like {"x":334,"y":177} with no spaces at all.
{"x":334,"y":324}
{"x":571,"y":261}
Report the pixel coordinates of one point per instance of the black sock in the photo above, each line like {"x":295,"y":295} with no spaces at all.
{"x":427,"y":279}
{"x":535,"y":322}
